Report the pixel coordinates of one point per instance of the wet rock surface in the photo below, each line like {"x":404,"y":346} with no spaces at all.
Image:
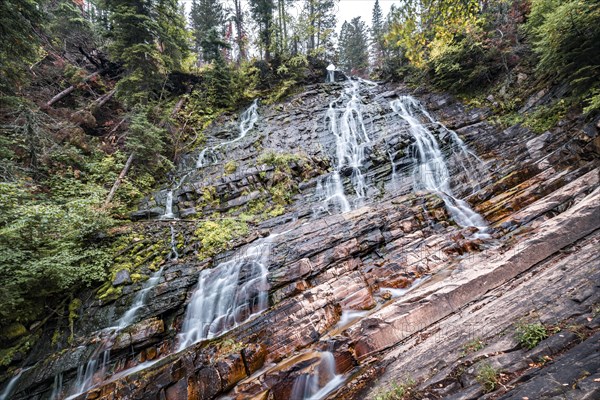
{"x":394,"y":289}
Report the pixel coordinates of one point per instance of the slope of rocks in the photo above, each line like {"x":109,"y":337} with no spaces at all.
{"x":394,"y":289}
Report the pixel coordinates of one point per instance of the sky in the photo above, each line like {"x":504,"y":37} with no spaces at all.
{"x":348,"y":9}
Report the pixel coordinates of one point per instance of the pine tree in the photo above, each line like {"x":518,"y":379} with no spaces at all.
{"x":377,"y":30}
{"x":262,"y":12}
{"x":19,"y":45}
{"x":207,"y":20}
{"x":149,"y":39}
{"x":353,"y":47}
{"x":318,"y":26}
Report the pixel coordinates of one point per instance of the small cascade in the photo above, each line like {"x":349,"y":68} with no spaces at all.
{"x":169,"y":206}
{"x":10,"y":386}
{"x":169,"y":214}
{"x":228,"y":295}
{"x":247,"y":121}
{"x":319,"y":382}
{"x":139,"y":300}
{"x":57,"y":387}
{"x":94,"y":370}
{"x":173,"y":255}
{"x":347,"y":125}
{"x":330,"y":192}
{"x":330,"y":73}
{"x":430,"y":171}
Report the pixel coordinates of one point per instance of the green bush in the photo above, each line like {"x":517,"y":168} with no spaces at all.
{"x":465,"y":63}
{"x":47,"y":250}
{"x":529,"y":335}
{"x":566,"y":37}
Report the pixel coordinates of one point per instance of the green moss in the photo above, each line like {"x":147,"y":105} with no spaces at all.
{"x":216,"y":236}
{"x":23,"y":345}
{"x":12,"y":331}
{"x":230,"y":167}
{"x":546,"y":117}
{"x":398,"y":391}
{"x":74,"y":306}
{"x":279,"y":159}
{"x":108,"y":292}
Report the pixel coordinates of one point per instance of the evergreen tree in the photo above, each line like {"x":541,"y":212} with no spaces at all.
{"x":149,"y":39}
{"x":353,"y":47}
{"x":318,"y":26}
{"x":19,"y":45}
{"x":207,"y":20}
{"x":377,"y":30}
{"x":262,"y":12}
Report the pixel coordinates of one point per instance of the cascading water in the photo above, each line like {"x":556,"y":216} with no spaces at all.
{"x":10,"y":386}
{"x":247,"y":120}
{"x":318,"y":383}
{"x":139,"y":300}
{"x":430,"y":171}
{"x":228,"y":295}
{"x":330,"y":73}
{"x":169,"y":206}
{"x":347,"y":125}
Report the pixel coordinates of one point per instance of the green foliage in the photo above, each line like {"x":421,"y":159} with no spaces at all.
{"x":278,"y":159}
{"x":47,"y":249}
{"x":566,"y":37}
{"x":207,"y":19}
{"x":353,"y":47}
{"x":20,"y":45}
{"x":150,"y":39}
{"x":464,"y":63}
{"x":473,"y":346}
{"x":398,"y":391}
{"x":145,"y":139}
{"x":529,"y":335}
{"x":546,"y":117}
{"x":488,"y":377}
{"x":216,"y":236}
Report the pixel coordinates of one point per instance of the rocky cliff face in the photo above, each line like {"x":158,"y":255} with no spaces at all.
{"x":370,"y":270}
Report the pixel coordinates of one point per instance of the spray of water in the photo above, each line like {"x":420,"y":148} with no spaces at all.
{"x":430,"y":171}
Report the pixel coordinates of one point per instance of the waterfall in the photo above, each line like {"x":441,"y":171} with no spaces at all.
{"x":330,"y":73}
{"x":8,"y":389}
{"x":320,"y":382}
{"x":169,"y":206}
{"x":173,"y":255}
{"x":139,"y":300}
{"x":228,"y":295}
{"x":430,"y":171}
{"x":57,"y":387}
{"x":347,"y":126}
{"x":247,"y":120}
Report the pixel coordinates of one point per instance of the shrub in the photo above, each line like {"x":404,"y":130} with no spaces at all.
{"x":488,"y":377}
{"x":566,"y":37}
{"x":529,"y":335}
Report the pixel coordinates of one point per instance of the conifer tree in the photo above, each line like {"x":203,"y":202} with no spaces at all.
{"x":377,"y":31}
{"x":353,"y":47}
{"x":262,"y":12}
{"x":149,"y":39}
{"x":19,"y":45}
{"x":207,"y":20}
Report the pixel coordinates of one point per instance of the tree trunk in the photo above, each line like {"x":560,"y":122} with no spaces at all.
{"x":118,"y":182}
{"x":69,"y":90}
{"x":102,"y":100}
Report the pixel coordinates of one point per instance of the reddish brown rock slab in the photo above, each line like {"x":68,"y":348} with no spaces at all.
{"x":387,"y":327}
{"x":561,"y":288}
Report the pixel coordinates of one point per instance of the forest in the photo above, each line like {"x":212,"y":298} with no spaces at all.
{"x":102,"y":99}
